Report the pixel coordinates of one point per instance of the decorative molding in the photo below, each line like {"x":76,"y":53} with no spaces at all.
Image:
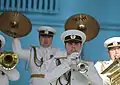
{"x":56,"y":23}
{"x":110,"y":26}
{"x":60,"y":23}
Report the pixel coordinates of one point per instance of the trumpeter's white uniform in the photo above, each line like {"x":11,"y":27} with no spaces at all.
{"x":39,"y":65}
{"x":102,"y":65}
{"x":66,"y":73}
{"x":6,"y":75}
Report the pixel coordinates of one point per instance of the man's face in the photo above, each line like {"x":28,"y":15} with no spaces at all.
{"x":72,"y":47}
{"x":114,"y":53}
{"x":45,"y":40}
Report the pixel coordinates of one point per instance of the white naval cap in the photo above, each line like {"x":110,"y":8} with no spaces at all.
{"x":112,"y":42}
{"x":46,"y":30}
{"x":2,"y":39}
{"x":73,"y":35}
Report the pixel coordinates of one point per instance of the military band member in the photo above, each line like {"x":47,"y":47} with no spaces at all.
{"x":69,"y":70}
{"x":6,"y":75}
{"x":38,"y":57}
{"x":113,"y":46}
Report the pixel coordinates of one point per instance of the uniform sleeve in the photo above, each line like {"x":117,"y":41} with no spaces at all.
{"x":22,"y":53}
{"x":57,"y":72}
{"x":11,"y":74}
{"x":92,"y":75}
{"x":3,"y":79}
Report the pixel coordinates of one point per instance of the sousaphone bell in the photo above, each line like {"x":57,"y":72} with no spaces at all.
{"x":8,"y":60}
{"x":85,"y":23}
{"x":15,"y":24}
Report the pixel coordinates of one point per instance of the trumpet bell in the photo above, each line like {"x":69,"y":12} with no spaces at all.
{"x":8,"y":60}
{"x":82,"y":67}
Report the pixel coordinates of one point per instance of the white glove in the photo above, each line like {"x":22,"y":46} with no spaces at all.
{"x":73,"y":60}
{"x":74,"y":57}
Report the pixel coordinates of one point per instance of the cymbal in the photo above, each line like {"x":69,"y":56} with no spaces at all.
{"x":15,"y":24}
{"x":85,"y":23}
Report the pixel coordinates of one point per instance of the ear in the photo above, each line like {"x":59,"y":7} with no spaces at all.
{"x":108,"y":52}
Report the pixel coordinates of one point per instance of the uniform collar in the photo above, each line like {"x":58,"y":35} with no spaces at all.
{"x":109,"y":62}
{"x":41,"y":47}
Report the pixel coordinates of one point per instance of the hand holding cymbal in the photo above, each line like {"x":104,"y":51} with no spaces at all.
{"x":85,"y":23}
{"x":14,"y":24}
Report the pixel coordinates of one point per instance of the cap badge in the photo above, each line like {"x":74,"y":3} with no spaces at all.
{"x":46,"y":31}
{"x":73,"y":36}
{"x":115,"y":43}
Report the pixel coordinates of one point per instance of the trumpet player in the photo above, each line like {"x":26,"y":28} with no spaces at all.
{"x":70,"y":70}
{"x":6,"y":75}
{"x":113,"y":46}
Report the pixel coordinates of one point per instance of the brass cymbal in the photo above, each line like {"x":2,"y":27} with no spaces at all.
{"x":85,"y":23}
{"x":14,"y":24}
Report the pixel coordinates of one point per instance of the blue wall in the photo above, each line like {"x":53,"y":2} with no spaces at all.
{"x":105,"y":11}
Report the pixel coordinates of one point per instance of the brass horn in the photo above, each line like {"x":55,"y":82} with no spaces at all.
{"x":85,"y":23}
{"x":82,"y":67}
{"x":8,"y":60}
{"x":113,"y":72}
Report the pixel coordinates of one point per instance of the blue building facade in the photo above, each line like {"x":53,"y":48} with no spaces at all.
{"x":54,"y":13}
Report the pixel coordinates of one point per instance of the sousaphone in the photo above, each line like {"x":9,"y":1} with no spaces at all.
{"x":85,"y":23}
{"x":14,"y":24}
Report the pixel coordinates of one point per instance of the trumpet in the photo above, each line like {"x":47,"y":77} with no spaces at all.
{"x":82,"y":67}
{"x":8,"y":60}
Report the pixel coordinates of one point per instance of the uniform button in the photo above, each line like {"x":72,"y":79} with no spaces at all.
{"x":73,"y":69}
{"x":72,"y":78}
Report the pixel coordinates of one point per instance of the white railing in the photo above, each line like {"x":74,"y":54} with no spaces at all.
{"x":42,"y":6}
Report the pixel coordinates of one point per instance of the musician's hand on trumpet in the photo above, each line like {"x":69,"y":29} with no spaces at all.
{"x":76,"y":64}
{"x":73,"y":58}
